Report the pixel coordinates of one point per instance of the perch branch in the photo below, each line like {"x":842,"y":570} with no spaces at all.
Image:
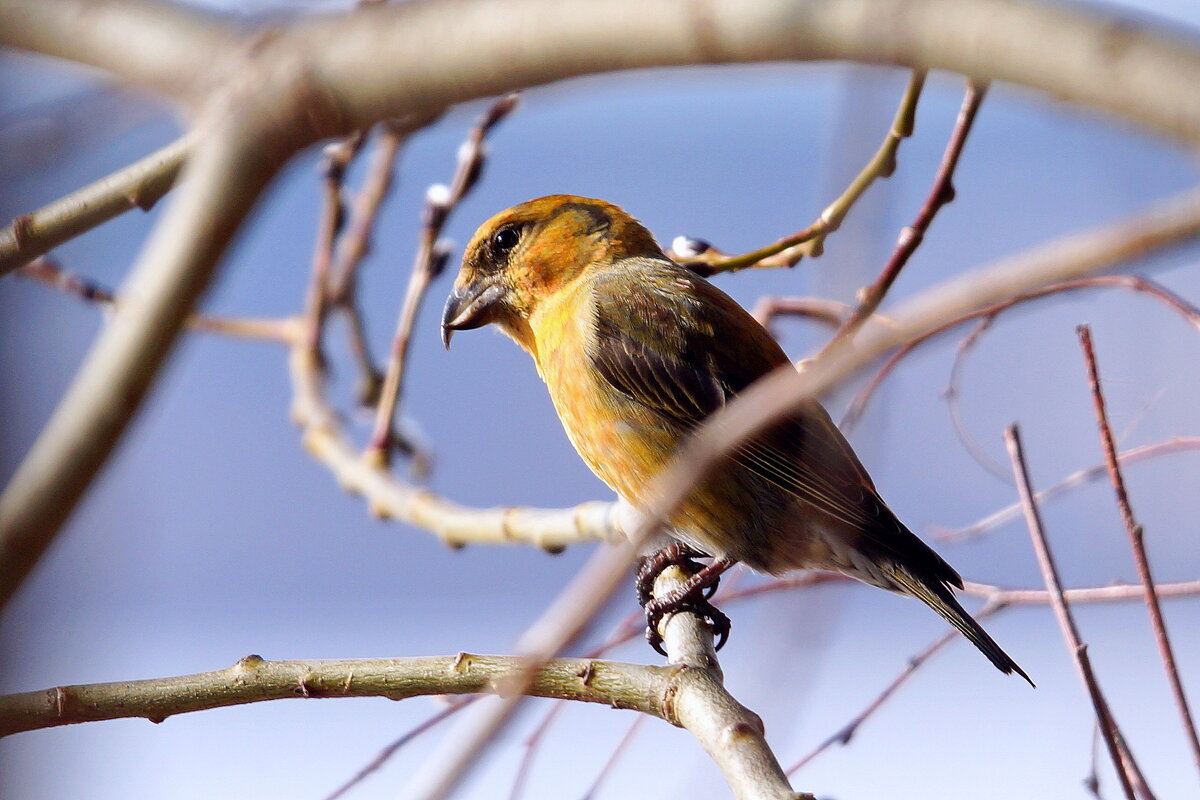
{"x":253,"y":679}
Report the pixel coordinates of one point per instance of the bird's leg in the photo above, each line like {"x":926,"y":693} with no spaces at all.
{"x":691,"y":596}
{"x":675,"y":554}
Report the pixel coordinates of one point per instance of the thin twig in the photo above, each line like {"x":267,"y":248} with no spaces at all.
{"x":847,"y":731}
{"x":828,"y":312}
{"x":941,"y":193}
{"x":1133,"y":283}
{"x":787,"y":252}
{"x":47,"y":271}
{"x":618,"y":751}
{"x":530,"y":745}
{"x":431,"y":259}
{"x":1137,"y":542}
{"x":1122,"y":760}
{"x":381,"y":758}
{"x":336,"y":158}
{"x":953,"y":392}
{"x":1091,"y":781}
{"x":353,"y":246}
{"x":226,"y":174}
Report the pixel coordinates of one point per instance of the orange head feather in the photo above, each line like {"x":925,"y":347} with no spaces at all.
{"x":530,"y":251}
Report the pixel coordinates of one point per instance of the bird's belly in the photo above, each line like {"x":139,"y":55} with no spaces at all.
{"x":732,"y":513}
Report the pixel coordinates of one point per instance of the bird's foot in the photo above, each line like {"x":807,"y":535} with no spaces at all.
{"x":693,"y":596}
{"x":676,"y":554}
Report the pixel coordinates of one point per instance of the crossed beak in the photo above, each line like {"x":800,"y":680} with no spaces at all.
{"x":471,"y":306}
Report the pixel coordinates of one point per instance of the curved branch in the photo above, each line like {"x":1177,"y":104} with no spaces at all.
{"x":375,"y":62}
{"x":389,"y":497}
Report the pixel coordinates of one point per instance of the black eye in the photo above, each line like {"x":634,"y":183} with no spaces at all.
{"x":506,"y":238}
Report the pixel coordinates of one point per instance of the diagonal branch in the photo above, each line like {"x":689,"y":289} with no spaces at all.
{"x":941,"y":193}
{"x":1118,"y":751}
{"x":140,"y":185}
{"x":225,"y":177}
{"x":1137,"y":542}
{"x":431,"y":259}
{"x":788,"y":251}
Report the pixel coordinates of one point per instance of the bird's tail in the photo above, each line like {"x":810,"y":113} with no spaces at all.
{"x":938,"y":596}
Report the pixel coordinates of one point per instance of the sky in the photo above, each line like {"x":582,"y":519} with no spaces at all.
{"x":212,"y":535}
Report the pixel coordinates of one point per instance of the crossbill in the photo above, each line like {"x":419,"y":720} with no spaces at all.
{"x":637,"y":350}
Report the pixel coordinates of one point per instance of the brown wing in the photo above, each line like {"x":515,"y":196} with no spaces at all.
{"x":681,"y":348}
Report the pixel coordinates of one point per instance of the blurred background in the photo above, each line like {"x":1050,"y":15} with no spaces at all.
{"x":212,"y":535}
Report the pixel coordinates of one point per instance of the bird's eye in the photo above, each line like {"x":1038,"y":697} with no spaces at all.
{"x":506,"y":238}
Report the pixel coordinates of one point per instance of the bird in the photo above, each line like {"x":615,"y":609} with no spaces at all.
{"x":636,"y":351}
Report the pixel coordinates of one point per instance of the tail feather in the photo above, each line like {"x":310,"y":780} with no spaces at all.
{"x":942,"y":600}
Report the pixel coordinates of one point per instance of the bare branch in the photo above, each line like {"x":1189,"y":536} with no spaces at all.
{"x":846,"y":732}
{"x":730,"y":733}
{"x":225,"y":175}
{"x":46,"y":271}
{"x":431,"y":259}
{"x":1153,"y":230}
{"x":384,"y":60}
{"x":169,"y":48}
{"x":941,"y":193}
{"x":253,"y":679}
{"x":140,"y":185}
{"x":788,"y":251}
{"x":326,"y":440}
{"x":1122,"y":759}
{"x":1137,"y":542}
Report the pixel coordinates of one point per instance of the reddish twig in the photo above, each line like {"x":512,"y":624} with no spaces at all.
{"x":952,"y":394}
{"x":431,"y":259}
{"x":531,"y":744}
{"x":941,"y":193}
{"x":336,"y":157}
{"x":787,"y":252}
{"x":828,"y":312}
{"x":47,"y":271}
{"x":618,"y":751}
{"x":1132,"y":283}
{"x":1091,"y":781}
{"x":1074,"y":480}
{"x":1118,"y":751}
{"x":1137,"y":542}
{"x":455,"y":705}
{"x":847,"y":731}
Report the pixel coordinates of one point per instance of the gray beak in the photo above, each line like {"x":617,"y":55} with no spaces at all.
{"x":469,"y":307}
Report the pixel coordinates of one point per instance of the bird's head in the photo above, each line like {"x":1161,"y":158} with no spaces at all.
{"x":532,"y":250}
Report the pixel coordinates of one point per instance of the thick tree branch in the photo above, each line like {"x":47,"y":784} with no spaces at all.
{"x":376,"y":62}
{"x":226,"y":174}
